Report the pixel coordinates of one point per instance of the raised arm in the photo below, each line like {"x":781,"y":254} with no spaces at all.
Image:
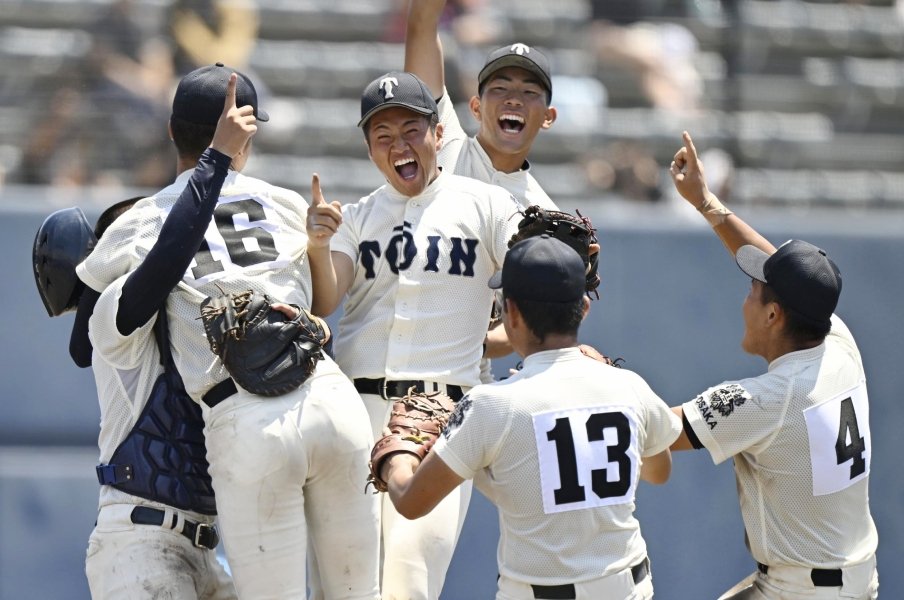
{"x":423,"y":49}
{"x":687,"y":175}
{"x":147,"y":288}
{"x":331,"y":272}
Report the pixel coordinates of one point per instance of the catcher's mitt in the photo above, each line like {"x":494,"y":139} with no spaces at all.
{"x":264,"y":352}
{"x":414,"y":424}
{"x":576,"y":231}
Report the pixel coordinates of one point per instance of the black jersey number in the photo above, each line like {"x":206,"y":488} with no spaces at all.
{"x":854,"y":450}
{"x":570,"y":489}
{"x":224,"y":218}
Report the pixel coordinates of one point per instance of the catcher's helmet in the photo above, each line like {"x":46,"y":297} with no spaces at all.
{"x":63,"y":241}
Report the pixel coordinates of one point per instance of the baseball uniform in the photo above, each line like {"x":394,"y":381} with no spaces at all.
{"x":799,"y":436}
{"x":128,"y":558}
{"x":463,"y":155}
{"x":286,"y":469}
{"x":557,"y":447}
{"x":418,"y":310}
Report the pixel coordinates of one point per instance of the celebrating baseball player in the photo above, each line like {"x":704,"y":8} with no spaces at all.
{"x":558,"y":447}
{"x":413,"y":257}
{"x":799,"y":434}
{"x":287,"y":469}
{"x":154,"y":534}
{"x":512,"y":106}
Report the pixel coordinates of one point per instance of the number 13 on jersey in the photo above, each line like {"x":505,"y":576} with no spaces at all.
{"x":588,"y":457}
{"x":840,"y":441}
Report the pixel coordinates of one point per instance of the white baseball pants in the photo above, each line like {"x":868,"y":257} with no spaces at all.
{"x":292,"y":469}
{"x":416,"y":554}
{"x":860,"y":582}
{"x":145,"y":562}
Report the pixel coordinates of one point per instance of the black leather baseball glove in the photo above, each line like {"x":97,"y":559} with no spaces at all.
{"x":265,"y":352}
{"x":576,"y":231}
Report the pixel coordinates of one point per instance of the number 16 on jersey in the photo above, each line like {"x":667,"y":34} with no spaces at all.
{"x":588,"y":457}
{"x":840,"y":441}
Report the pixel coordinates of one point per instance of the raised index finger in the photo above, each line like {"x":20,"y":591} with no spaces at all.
{"x":689,"y":144}
{"x":229,"y":103}
{"x":316,"y":193}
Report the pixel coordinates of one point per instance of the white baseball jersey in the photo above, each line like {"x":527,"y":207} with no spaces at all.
{"x":799,"y":435}
{"x":256,"y":240}
{"x":463,"y":155}
{"x":557,"y":448}
{"x":419,"y":305}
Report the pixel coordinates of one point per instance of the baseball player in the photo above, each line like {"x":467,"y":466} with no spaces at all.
{"x":413,"y":257}
{"x":558,"y":447}
{"x":511,"y":107}
{"x":154,"y":534}
{"x":799,"y":434}
{"x":286,"y":469}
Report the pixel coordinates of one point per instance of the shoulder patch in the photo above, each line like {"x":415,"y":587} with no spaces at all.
{"x":726,"y":398}
{"x":458,"y":416}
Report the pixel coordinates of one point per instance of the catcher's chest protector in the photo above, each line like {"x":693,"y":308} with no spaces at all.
{"x":163,"y":458}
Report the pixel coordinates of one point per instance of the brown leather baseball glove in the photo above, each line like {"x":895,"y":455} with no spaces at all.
{"x":414,"y":424}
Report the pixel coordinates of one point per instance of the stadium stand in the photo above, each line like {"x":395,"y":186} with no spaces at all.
{"x":807,"y":98}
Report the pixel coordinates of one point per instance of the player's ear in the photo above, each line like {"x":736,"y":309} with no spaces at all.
{"x":439,"y":136}
{"x":169,"y":129}
{"x":550,"y":118}
{"x":474,"y":107}
{"x":586,"y":309}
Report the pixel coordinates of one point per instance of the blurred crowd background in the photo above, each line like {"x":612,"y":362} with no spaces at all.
{"x":796,"y":103}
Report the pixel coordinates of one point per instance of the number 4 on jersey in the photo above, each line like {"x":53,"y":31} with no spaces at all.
{"x":848,"y":430}
{"x":838,"y":432}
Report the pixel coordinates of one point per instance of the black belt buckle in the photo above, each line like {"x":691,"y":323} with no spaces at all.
{"x":206,"y":536}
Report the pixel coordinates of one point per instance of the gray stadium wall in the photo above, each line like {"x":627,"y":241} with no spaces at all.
{"x":670,"y":305}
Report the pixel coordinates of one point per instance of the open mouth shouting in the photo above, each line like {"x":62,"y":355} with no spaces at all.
{"x":406,"y":168}
{"x":511,"y":123}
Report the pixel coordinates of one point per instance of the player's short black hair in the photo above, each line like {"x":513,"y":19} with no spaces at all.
{"x":433,"y":121}
{"x":800,"y":329}
{"x":191,"y":139}
{"x":545,"y":318}
{"x":112,"y":213}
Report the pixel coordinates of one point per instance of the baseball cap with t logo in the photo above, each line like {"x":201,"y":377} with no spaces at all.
{"x":396,"y":88}
{"x":521,"y":56}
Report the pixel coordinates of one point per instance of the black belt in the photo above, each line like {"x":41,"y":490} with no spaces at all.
{"x":566,"y":591}
{"x":219,"y":392}
{"x":819,"y":577}
{"x":201,"y":535}
{"x":397,"y":389}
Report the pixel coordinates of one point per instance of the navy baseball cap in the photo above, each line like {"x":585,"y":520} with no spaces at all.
{"x":396,"y":88}
{"x":521,"y":56}
{"x":803,"y":277}
{"x":541,"y":269}
{"x":200,"y":95}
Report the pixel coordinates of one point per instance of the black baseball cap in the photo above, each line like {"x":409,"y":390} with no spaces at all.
{"x":541,"y":269}
{"x":802,"y":276}
{"x":200,"y":95}
{"x":396,"y":88}
{"x":521,"y":56}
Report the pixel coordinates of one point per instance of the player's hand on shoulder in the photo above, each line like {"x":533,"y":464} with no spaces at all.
{"x":236,"y":125}
{"x":687,"y":173}
{"x":323,"y":218}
